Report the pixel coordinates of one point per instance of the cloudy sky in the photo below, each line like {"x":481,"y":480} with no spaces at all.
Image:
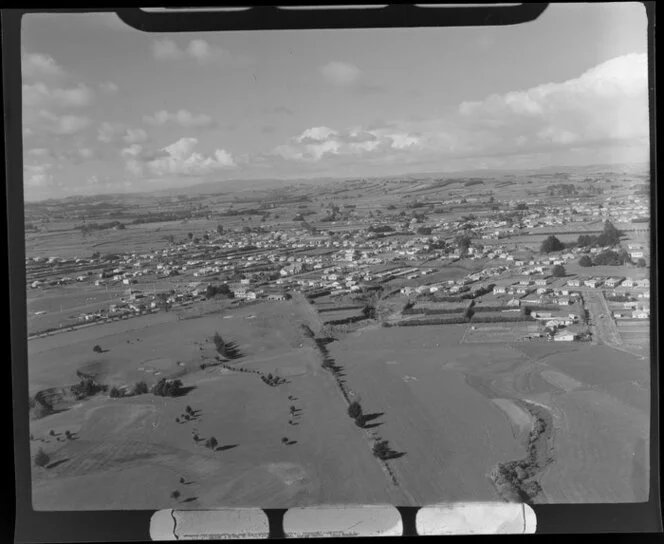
{"x":108,"y":108}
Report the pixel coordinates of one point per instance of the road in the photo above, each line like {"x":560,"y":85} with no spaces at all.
{"x":604,"y":329}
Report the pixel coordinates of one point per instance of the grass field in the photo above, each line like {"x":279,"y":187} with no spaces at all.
{"x":124,"y":440}
{"x":452,"y":410}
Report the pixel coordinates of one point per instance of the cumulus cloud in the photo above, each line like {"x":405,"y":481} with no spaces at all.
{"x":182,"y":118}
{"x":62,"y":125}
{"x":198,"y":50}
{"x":166,"y":50}
{"x":37,"y":65}
{"x":109,"y":87}
{"x":340,"y":73}
{"x":39,"y":95}
{"x":110,"y":132}
{"x":607,"y":102}
{"x":177,"y":159}
{"x":321,"y":142}
{"x":135,"y":135}
{"x":37,"y":175}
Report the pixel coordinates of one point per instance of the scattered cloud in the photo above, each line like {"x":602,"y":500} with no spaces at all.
{"x":109,"y":87}
{"x":340,"y":73}
{"x":62,"y":125}
{"x":37,"y":175}
{"x":110,"y":132}
{"x":179,"y":158}
{"x":166,"y":50}
{"x":135,"y":135}
{"x":37,"y":65}
{"x":317,"y":143}
{"x":607,"y":103}
{"x":182,"y":118}
{"x":199,"y":50}
{"x":40,"y":95}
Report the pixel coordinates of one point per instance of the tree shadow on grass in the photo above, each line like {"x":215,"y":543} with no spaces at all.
{"x":395,"y":455}
{"x":190,"y":499}
{"x":185,"y":390}
{"x":226,"y":447}
{"x":371,"y":425}
{"x":291,"y":442}
{"x":57,"y":463}
{"x":371,"y":417}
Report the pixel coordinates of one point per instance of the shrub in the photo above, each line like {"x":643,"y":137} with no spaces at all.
{"x":355,"y":410}
{"x":175,"y":495}
{"x":42,"y":458}
{"x":559,"y":271}
{"x":551,"y":244}
{"x":115,"y":393}
{"x":641,"y":263}
{"x":211,"y":443}
{"x":97,"y":349}
{"x":140,"y":388}
{"x":381,"y":449}
{"x":167,"y":388}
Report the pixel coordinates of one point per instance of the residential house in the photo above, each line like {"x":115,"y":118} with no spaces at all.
{"x":628,"y":282}
{"x":565,"y":336}
{"x":574,"y":282}
{"x":641,"y":314}
{"x":613,"y":282}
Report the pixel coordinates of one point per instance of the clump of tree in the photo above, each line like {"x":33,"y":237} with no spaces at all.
{"x":641,"y":263}
{"x":559,"y":271}
{"x":585,"y":261}
{"x":610,"y":237}
{"x":380,"y":228}
{"x":211,"y":443}
{"x":115,"y":392}
{"x":87,"y":387}
{"x":551,"y":244}
{"x":382,"y":450}
{"x":97,"y":349}
{"x":42,"y":458}
{"x":226,"y":349}
{"x":140,"y":388}
{"x":167,"y":388}
{"x":273,"y":381}
{"x":355,"y":410}
{"x":214,"y":290}
{"x":612,"y":258}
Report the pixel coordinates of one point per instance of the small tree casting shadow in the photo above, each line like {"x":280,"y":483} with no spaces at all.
{"x":56,"y":463}
{"x":227,"y":447}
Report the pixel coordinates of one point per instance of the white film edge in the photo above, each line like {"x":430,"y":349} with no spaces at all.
{"x":344,"y":521}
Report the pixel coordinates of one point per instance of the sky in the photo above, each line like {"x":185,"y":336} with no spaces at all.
{"x":107,"y":108}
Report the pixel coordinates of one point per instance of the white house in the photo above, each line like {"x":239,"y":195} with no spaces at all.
{"x":564,"y":337}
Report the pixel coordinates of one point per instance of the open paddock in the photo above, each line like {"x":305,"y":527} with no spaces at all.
{"x":121,"y":443}
{"x":498,"y":333}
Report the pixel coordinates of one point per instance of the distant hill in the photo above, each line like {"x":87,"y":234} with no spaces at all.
{"x":240,"y":185}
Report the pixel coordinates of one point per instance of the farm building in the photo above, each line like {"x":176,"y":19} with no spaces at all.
{"x":641,"y":314}
{"x":564,"y":337}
